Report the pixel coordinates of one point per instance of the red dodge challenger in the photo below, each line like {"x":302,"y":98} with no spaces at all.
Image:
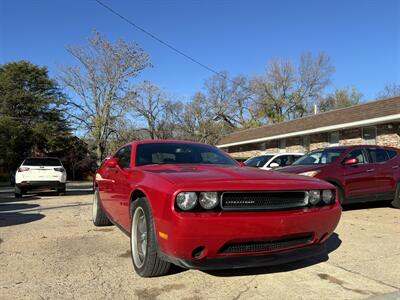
{"x":192,"y":205}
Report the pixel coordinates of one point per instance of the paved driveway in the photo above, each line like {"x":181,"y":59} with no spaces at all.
{"x":49,"y":249}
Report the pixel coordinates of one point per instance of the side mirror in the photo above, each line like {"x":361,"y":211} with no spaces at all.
{"x":350,"y":161}
{"x":112,"y":162}
{"x":274,"y":165}
{"x":241,"y":164}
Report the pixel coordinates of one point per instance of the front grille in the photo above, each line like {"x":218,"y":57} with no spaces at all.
{"x":265,"y":246}
{"x":270,"y":200}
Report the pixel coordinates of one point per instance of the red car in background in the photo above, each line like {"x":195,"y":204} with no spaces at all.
{"x":361,"y":173}
{"x":192,"y":205}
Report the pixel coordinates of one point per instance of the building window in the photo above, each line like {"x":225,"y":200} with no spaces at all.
{"x":282,"y":146}
{"x":334,"y":138}
{"x":369,"y":135}
{"x":306,"y":143}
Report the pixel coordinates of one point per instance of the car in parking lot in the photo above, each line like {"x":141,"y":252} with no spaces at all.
{"x":192,"y":205}
{"x":273,"y":160}
{"x":39,"y":173}
{"x":361,"y":173}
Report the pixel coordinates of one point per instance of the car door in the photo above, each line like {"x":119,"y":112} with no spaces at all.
{"x":384,"y":183}
{"x":121,"y":185}
{"x":359,"y":179}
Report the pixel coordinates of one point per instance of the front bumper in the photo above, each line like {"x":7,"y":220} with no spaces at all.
{"x":38,"y":185}
{"x":181,"y":234}
{"x":251,"y":261}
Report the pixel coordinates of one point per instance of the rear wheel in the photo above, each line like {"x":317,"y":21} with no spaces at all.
{"x":61,"y":191}
{"x":396,"y":200}
{"x":98,"y":215}
{"x":145,"y":258}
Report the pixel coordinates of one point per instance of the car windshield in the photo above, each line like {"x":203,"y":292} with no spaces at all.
{"x":180,"y":153}
{"x":258,"y":161}
{"x":320,"y":157}
{"x":47,"y":162}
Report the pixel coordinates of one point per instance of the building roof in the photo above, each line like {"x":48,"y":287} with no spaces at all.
{"x":370,"y":113}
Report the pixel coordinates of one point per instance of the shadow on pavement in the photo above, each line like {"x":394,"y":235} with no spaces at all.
{"x":332,"y":244}
{"x":16,"y":206}
{"x":366,"y":205}
{"x":16,"y":218}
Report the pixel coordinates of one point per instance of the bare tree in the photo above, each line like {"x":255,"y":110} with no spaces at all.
{"x":230,"y":99}
{"x":287,"y":91}
{"x":340,"y":98}
{"x":148,"y":103}
{"x":100,"y":84}
{"x":390,"y":90}
{"x":195,"y":121}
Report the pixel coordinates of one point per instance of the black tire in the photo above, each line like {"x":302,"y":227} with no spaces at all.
{"x":98,"y":216}
{"x":152,"y":265}
{"x":18,"y":192}
{"x":339,"y":190}
{"x":396,"y":200}
{"x":61,"y":192}
{"x":341,"y":194}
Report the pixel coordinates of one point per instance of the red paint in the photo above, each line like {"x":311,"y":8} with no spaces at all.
{"x":359,"y":181}
{"x":188,"y":230}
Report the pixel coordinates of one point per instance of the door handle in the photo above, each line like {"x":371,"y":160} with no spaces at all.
{"x":370,"y":170}
{"x":395,"y":167}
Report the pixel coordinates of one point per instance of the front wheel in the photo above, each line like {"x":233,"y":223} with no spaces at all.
{"x":396,"y":200}
{"x":18,"y":192}
{"x":98,"y":215}
{"x":145,"y":258}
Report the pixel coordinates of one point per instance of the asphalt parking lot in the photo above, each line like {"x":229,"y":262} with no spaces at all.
{"x":49,"y":249}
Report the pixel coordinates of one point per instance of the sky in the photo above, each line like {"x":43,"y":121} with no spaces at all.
{"x":362,"y":37}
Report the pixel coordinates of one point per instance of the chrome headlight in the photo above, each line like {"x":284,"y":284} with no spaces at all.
{"x":208,"y":200}
{"x":314,"y":197}
{"x":186,"y":200}
{"x":328,"y":196}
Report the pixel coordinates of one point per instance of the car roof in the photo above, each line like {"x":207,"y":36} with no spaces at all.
{"x":355,"y":147}
{"x":162,"y":142}
{"x":283,"y":153}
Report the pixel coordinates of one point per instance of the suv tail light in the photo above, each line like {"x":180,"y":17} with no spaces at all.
{"x":59,"y":169}
{"x":23,"y":169}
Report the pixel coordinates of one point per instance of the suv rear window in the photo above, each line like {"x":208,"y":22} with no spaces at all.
{"x":46,"y":162}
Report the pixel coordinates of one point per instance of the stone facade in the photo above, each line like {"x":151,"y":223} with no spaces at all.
{"x":386,"y":135}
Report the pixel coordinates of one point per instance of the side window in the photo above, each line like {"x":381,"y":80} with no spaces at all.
{"x":291,"y":159}
{"x":282,"y":160}
{"x":296,"y":157}
{"x":124,"y":156}
{"x":377,"y":155}
{"x":391,"y":153}
{"x":358,"y":154}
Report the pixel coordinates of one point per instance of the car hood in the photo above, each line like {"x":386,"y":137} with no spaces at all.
{"x":182,"y":174}
{"x":299,"y":169}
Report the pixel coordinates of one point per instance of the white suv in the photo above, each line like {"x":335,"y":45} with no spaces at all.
{"x":40,"y":173}
{"x":273,"y":160}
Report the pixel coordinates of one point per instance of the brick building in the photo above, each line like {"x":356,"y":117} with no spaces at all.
{"x":376,"y":122}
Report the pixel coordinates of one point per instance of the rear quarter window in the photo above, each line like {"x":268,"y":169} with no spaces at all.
{"x":391,"y":153}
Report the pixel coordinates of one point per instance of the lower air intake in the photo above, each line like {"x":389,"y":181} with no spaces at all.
{"x":265,"y":246}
